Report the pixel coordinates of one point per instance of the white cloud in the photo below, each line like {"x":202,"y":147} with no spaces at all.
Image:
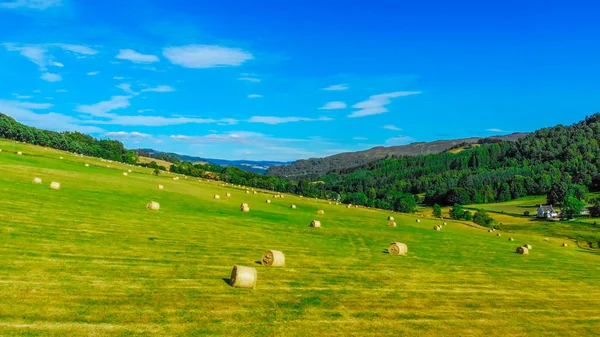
{"x":77,"y":49}
{"x":57,"y":64}
{"x":206,"y":56}
{"x":17,"y":96}
{"x":400,"y":140}
{"x":126,"y":87}
{"x":254,"y":96}
{"x":34,"y":53}
{"x":336,"y":87}
{"x":101,"y":109}
{"x":495,"y":130}
{"x":37,"y":91}
{"x":34,"y":106}
{"x":118,"y":78}
{"x":160,"y":88}
{"x":333,"y":105}
{"x":237,"y":137}
{"x":249,"y":79}
{"x":161,"y":121}
{"x":376,"y":104}
{"x":272,"y":120}
{"x":51,"y":121}
{"x":128,"y":135}
{"x":31,"y":4}
{"x":50,"y":77}
{"x":93,"y":73}
{"x":391,"y":127}
{"x":133,"y":56}
{"x":62,"y":90}
{"x":145,"y":110}
{"x":360,"y":138}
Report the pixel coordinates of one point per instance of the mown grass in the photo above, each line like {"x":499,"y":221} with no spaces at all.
{"x":89,"y":259}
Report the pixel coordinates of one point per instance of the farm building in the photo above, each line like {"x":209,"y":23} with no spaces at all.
{"x":546,"y":212}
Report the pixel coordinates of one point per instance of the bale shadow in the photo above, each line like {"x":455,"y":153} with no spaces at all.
{"x":385,"y":251}
{"x":258,"y":262}
{"x":227,"y":280}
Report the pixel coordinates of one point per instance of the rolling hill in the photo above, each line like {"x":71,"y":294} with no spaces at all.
{"x":315,"y":167}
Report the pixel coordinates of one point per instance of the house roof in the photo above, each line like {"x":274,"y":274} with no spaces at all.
{"x":545,"y":208}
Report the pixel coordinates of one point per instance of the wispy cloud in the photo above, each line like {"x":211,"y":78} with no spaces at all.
{"x":249,"y":79}
{"x":31,"y":4}
{"x":128,"y":135}
{"x":272,"y":120}
{"x":400,"y":140}
{"x":333,"y":105}
{"x":392,"y":127}
{"x":126,"y":87}
{"x":336,"y":87}
{"x":34,"y":53}
{"x":254,"y":96}
{"x":495,"y":130}
{"x":34,"y":106}
{"x":118,"y":78}
{"x":101,"y":109}
{"x":360,"y":138}
{"x":376,"y":104}
{"x":93,"y":73}
{"x":17,"y":96}
{"x":133,"y":56}
{"x":50,"y":77}
{"x":160,"y":88}
{"x":80,"y":50}
{"x":206,"y":56}
{"x":62,"y":90}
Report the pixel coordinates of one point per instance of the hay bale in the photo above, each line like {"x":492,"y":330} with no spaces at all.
{"x":160,"y":187}
{"x":418,"y":220}
{"x":397,"y":248}
{"x":20,"y":153}
{"x":217,"y":196}
{"x":153,"y":205}
{"x":522,"y":250}
{"x":125,"y":174}
{"x":527,"y":246}
{"x":247,"y":192}
{"x":445,"y":224}
{"x":498,"y":234}
{"x":293,"y":206}
{"x":87,"y":165}
{"x":437,"y":228}
{"x":315,"y":223}
{"x":243,"y":277}
{"x":273,"y":258}
{"x":129,"y":171}
{"x":255,"y":192}
{"x":392,"y":224}
{"x":244,"y":207}
{"x":61,"y":158}
{"x":268,"y":201}
{"x":320,"y":212}
{"x":349,"y":205}
{"x":175,"y":178}
{"x":0,"y":150}
{"x":228,"y":194}
{"x":564,"y":244}
{"x":511,"y":239}
{"x":545,"y":239}
{"x":493,"y":229}
{"x":390,"y":218}
{"x":37,"y":180}
{"x":55,"y":186}
{"x":489,"y":230}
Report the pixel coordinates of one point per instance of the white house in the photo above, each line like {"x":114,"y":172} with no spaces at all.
{"x":546,"y":212}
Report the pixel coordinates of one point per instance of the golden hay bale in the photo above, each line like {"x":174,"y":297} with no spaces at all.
{"x":498,"y":234}
{"x":511,"y":239}
{"x":418,"y":220}
{"x":0,"y":150}
{"x":493,"y":229}
{"x":125,"y":174}
{"x":445,"y":224}
{"x":545,"y":239}
{"x":392,"y":224}
{"x":129,"y":171}
{"x":564,"y":244}
{"x":175,"y":178}
{"x":153,"y":205}
{"x":61,"y":158}
{"x":19,"y":153}
{"x":522,"y":250}
{"x":247,"y":192}
{"x":255,"y":192}
{"x":160,"y":187}
{"x":55,"y":186}
{"x":243,"y":277}
{"x":337,"y":203}
{"x":293,"y":207}
{"x":527,"y":246}
{"x":268,"y":201}
{"x":273,"y":258}
{"x":245,"y":208}
{"x":320,"y":212}
{"x":87,"y":165}
{"x":37,"y":180}
{"x":217,"y":196}
{"x":437,"y":228}
{"x":390,"y":218}
{"x":489,"y":230}
{"x":349,"y":205}
{"x":315,"y":223}
{"x":107,"y":166}
{"x":228,"y":194}
{"x":397,"y":248}
{"x":330,"y":202}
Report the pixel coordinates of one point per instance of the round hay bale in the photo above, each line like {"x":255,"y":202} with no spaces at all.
{"x":160,"y":187}
{"x":217,"y":196}
{"x":522,"y":250}
{"x":437,"y":228}
{"x":175,"y":178}
{"x":418,"y":220}
{"x":330,"y":202}
{"x":493,"y":229}
{"x":489,"y":230}
{"x":55,"y":186}
{"x":255,"y":192}
{"x":527,"y":246}
{"x":37,"y":180}
{"x":320,"y":212}
{"x":511,"y":239}
{"x":87,"y":165}
{"x":315,"y":223}
{"x":228,"y":194}
{"x":107,"y":166}
{"x":392,"y":224}
{"x":247,"y":192}
{"x":243,"y":277}
{"x":293,"y":206}
{"x":564,"y":244}
{"x":390,"y":218}
{"x":498,"y":234}
{"x":244,"y":208}
{"x":0,"y":150}
{"x":153,"y":205}
{"x":349,"y":205}
{"x":397,"y":248}
{"x":129,"y":171}
{"x":61,"y":158}
{"x":19,"y":153}
{"x":268,"y":201}
{"x":545,"y":239}
{"x":273,"y":258}
{"x":445,"y":224}
{"x":125,"y":174}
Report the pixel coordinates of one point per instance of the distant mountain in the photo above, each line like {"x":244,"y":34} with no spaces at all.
{"x":316,"y":167}
{"x":248,"y":165}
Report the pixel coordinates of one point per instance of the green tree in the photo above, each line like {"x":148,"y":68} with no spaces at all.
{"x":437,"y":211}
{"x":457,"y":212}
{"x":482,"y":218}
{"x":571,"y":206}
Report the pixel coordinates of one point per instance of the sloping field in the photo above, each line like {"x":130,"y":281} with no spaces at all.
{"x":90,"y":259}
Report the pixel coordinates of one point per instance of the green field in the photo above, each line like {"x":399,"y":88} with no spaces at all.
{"x":90,"y":259}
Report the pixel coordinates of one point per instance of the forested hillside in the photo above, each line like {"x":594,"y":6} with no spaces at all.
{"x":316,"y":167}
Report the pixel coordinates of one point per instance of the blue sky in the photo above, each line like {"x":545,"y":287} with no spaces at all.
{"x":284,"y":80}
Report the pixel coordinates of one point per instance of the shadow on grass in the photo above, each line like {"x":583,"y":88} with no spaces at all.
{"x":385,"y":251}
{"x":258,"y":262}
{"x":227,"y":280}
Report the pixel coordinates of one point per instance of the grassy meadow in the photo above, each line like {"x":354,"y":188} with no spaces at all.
{"x":90,"y":259}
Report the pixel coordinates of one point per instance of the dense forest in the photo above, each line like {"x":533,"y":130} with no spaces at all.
{"x":562,"y":162}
